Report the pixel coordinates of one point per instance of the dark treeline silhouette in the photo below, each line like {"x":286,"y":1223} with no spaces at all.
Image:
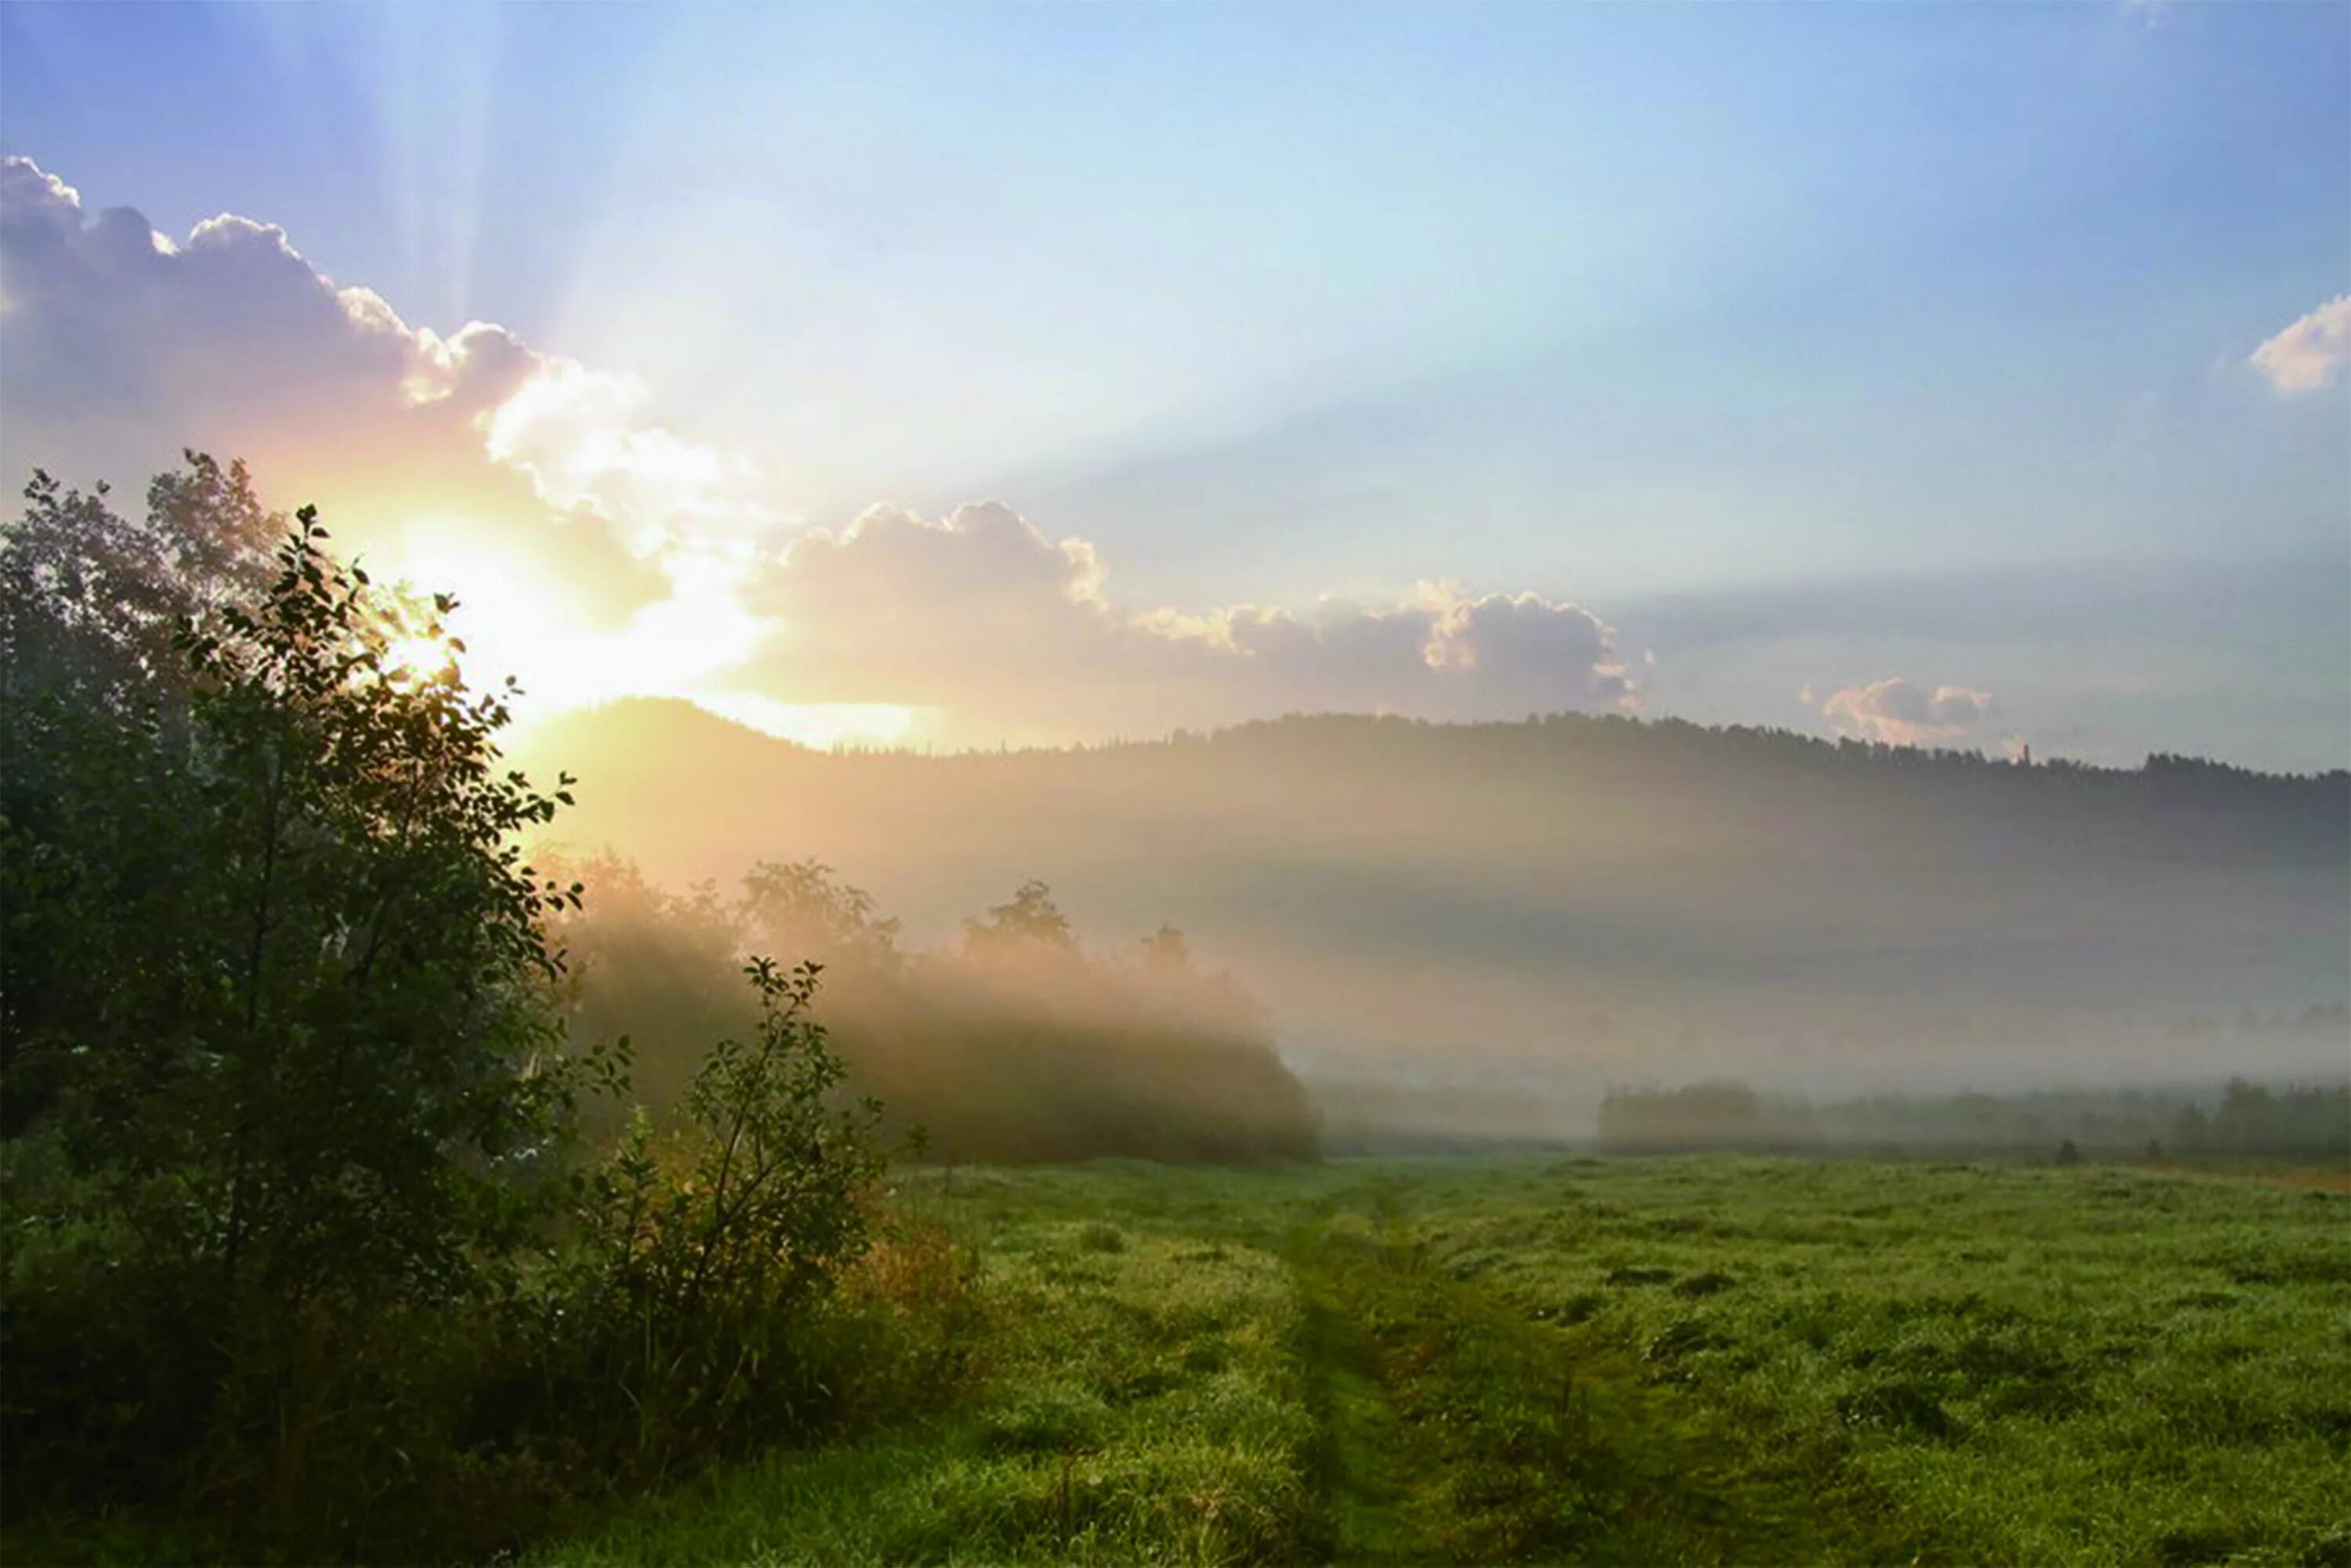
{"x":1012,"y":1044}
{"x":2295,"y":1121}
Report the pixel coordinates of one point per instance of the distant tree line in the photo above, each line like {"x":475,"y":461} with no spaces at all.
{"x":1842,"y":793}
{"x":2242,"y":1118}
{"x":2254,"y":1119}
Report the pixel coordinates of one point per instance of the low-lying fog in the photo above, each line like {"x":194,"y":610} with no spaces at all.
{"x":1487,"y":927}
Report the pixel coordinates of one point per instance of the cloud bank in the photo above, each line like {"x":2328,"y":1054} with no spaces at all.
{"x":538,"y":481}
{"x":1897,"y":712}
{"x":2308,"y":355}
{"x":966,"y":610}
{"x":124,"y":346}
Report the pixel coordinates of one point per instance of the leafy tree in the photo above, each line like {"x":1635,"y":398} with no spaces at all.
{"x":1720,"y":1112}
{"x":284,"y":1085}
{"x":91,"y":602}
{"x":96,"y":776}
{"x":378,"y":1049}
{"x":1168,"y":951}
{"x":277,"y":983}
{"x":1015,"y":1045}
{"x":1030,"y":925}
{"x":800,"y":906}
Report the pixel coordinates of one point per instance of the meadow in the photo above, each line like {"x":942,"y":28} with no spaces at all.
{"x":1704,"y":1359}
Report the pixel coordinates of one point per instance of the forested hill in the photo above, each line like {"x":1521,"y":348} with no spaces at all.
{"x":1592,"y":894}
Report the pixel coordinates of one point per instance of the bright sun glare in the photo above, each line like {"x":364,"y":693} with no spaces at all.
{"x":419,"y":657}
{"x":515,"y":622}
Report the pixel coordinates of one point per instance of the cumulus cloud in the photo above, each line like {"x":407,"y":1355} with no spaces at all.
{"x":580,"y":435}
{"x":1897,"y":712}
{"x":123,"y":345}
{"x":982,"y":615}
{"x":523,"y":479}
{"x":2312,"y":352}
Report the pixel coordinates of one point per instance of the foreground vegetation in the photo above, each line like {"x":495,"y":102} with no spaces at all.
{"x":305,"y":1246}
{"x":1709,"y":1359}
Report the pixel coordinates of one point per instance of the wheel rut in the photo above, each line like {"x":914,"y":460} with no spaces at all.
{"x":1451,"y":1428}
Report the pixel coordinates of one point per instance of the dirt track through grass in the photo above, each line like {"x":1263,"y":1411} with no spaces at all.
{"x":1450,"y":1428}
{"x":1356,"y":1464}
{"x":1648,"y":1363}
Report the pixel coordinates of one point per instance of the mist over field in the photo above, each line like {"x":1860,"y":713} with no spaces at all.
{"x":1510,"y":918}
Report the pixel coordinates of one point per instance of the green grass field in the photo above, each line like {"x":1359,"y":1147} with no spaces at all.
{"x":1701,"y":1359}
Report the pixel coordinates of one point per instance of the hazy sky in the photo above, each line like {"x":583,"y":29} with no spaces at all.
{"x":1965,"y":374}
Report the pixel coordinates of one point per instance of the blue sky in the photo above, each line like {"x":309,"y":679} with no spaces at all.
{"x":1673,"y":312}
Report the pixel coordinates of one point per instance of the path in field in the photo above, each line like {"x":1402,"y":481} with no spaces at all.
{"x":1453,"y":1430}
{"x":1359,"y":1478}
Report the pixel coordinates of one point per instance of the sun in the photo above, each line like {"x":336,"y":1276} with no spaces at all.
{"x":517,"y":616}
{"x":512,"y":617}
{"x":419,"y":658}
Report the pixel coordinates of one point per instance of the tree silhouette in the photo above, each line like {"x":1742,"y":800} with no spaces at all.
{"x":1028,"y":924}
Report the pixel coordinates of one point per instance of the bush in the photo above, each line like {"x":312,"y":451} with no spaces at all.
{"x":705,"y":1255}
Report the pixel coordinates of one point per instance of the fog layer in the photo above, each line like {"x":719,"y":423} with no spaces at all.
{"x":1526,"y":913}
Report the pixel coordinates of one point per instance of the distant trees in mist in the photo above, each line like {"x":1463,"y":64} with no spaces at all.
{"x":1720,"y":1113}
{"x":2256,"y":1119}
{"x":1014,"y":1044}
{"x":1437,"y":900}
{"x":2244,"y":1118}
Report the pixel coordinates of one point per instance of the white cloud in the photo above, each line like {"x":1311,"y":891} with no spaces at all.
{"x":1897,"y":712}
{"x":538,"y":486}
{"x":983,"y":615}
{"x":580,"y":435}
{"x":122,"y":347}
{"x":2312,"y":352}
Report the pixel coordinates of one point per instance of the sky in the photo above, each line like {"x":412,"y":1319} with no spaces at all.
{"x":1974,"y":375}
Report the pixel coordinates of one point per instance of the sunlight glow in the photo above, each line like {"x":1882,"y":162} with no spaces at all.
{"x":517,"y":622}
{"x":824,"y":726}
{"x":419,"y":658}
